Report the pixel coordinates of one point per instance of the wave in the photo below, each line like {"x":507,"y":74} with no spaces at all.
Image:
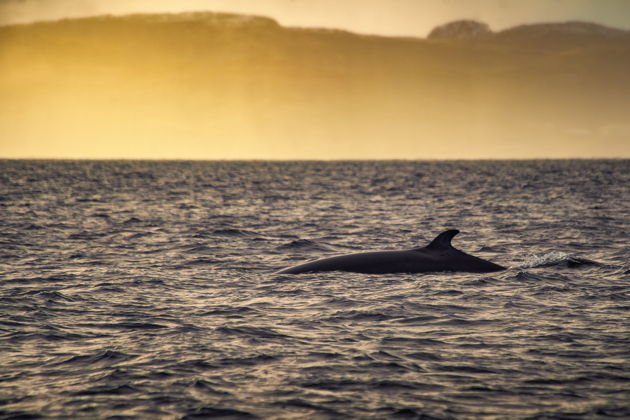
{"x":234,"y":232}
{"x":555,"y":258}
{"x":106,"y":357}
{"x":250,"y":332}
{"x":305,"y":244}
{"x":217,"y":412}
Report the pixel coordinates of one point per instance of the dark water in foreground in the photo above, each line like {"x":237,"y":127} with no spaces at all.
{"x":144,"y":290}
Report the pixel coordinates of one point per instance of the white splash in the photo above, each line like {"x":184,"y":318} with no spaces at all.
{"x":544,"y":260}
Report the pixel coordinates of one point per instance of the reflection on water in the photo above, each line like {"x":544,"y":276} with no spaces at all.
{"x":144,"y":289}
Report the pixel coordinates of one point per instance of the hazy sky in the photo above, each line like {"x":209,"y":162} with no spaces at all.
{"x":388,"y":17}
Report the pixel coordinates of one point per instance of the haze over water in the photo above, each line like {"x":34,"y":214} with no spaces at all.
{"x":145,"y":289}
{"x":219,"y":86}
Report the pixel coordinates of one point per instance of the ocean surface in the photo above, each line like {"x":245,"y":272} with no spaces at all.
{"x":146,"y":289}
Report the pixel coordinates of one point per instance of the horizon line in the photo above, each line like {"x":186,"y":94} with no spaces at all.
{"x":310,"y":160}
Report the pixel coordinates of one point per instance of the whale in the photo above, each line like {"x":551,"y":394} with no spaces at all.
{"x":439,"y":255}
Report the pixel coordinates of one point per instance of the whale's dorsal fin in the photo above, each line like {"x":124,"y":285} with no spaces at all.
{"x":443,"y":240}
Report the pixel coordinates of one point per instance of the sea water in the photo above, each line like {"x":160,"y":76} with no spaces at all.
{"x":145,"y":289}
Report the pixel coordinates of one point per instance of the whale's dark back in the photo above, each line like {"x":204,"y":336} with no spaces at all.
{"x":439,"y":255}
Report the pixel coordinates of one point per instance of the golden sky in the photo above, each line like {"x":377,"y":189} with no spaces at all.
{"x":103,"y":92}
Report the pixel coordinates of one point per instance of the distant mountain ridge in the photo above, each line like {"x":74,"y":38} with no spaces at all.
{"x":248,"y":83}
{"x":461,"y":29}
{"x":458,"y":29}
{"x":565,"y":32}
{"x":208,"y":18}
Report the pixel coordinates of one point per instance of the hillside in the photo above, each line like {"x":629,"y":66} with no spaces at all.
{"x":231,"y":86}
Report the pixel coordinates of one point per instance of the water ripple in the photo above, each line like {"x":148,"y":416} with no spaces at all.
{"x":144,"y":290}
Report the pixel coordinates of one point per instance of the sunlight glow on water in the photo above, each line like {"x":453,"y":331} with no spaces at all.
{"x":144,"y":289}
